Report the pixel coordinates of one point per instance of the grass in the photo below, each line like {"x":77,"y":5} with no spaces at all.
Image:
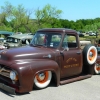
{"x":90,"y":38}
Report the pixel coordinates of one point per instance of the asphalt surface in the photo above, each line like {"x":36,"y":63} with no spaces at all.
{"x":88,"y":89}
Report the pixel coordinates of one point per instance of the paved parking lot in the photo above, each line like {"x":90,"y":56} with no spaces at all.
{"x":88,"y":89}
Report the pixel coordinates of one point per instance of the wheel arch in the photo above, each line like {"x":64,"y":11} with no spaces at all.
{"x":54,"y":76}
{"x":49,"y":66}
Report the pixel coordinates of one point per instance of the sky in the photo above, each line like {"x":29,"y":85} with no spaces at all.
{"x":71,"y":9}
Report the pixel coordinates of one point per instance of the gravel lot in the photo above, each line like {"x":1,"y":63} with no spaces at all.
{"x":88,"y":89}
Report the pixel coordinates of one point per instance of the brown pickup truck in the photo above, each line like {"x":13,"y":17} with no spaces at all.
{"x":52,"y":54}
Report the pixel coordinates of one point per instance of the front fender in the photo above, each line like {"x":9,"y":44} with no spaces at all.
{"x":28,"y":69}
{"x":25,"y":75}
{"x":43,"y":65}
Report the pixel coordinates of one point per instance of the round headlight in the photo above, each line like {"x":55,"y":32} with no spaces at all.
{"x":13,"y":75}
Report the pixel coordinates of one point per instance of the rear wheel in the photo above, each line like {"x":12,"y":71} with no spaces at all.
{"x":42,"y":79}
{"x":97,"y":69}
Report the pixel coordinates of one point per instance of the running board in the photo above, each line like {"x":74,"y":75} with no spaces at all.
{"x":81,"y":77}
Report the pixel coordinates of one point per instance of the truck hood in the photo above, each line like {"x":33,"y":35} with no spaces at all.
{"x":27,"y":52}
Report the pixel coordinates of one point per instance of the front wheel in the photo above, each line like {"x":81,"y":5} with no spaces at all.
{"x":42,"y":79}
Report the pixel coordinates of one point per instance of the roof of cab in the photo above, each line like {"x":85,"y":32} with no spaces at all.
{"x":57,"y":30}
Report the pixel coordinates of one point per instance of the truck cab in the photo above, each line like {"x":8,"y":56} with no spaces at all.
{"x":66,"y":47}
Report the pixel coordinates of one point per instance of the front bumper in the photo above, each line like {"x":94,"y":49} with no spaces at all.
{"x":7,"y":88}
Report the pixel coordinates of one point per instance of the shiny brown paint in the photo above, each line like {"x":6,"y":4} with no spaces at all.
{"x":28,"y":61}
{"x":98,"y":59}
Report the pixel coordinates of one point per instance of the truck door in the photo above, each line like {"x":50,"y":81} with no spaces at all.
{"x":72,"y":57}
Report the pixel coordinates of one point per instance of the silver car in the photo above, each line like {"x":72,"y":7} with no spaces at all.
{"x":92,"y":34}
{"x":18,"y":40}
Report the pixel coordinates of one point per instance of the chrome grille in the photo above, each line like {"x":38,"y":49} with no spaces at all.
{"x":4,"y":71}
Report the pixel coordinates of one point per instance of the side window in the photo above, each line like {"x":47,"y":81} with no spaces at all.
{"x":55,"y":40}
{"x":69,"y":41}
{"x":24,"y":41}
{"x":27,"y":42}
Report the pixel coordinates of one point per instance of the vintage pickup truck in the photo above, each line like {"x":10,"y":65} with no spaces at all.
{"x":52,"y":54}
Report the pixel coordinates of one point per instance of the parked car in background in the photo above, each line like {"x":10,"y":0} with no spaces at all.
{"x":92,"y":34}
{"x":2,"y":41}
{"x":18,"y":40}
{"x":3,"y":36}
{"x":19,"y":33}
{"x":80,"y":34}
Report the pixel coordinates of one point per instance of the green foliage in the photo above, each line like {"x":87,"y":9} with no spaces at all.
{"x":47,"y":17}
{"x":5,"y":28}
{"x":17,"y":18}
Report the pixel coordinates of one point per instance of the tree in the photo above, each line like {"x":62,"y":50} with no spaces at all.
{"x":5,"y":13}
{"x":20,"y":18}
{"x":47,"y":17}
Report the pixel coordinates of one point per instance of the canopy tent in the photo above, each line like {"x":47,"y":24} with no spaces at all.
{"x":6,"y":33}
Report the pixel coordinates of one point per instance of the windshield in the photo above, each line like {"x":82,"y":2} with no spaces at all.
{"x":12,"y":40}
{"x":46,"y":39}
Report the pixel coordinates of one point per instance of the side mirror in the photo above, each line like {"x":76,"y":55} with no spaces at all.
{"x":65,"y":49}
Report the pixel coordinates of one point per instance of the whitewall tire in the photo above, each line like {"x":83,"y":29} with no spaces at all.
{"x":42,"y":79}
{"x":92,"y":55}
{"x":89,"y":54}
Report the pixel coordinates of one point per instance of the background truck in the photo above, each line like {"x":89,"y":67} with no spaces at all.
{"x":53,"y":54}
{"x":17,"y":40}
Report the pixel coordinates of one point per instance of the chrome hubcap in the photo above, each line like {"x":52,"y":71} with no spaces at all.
{"x":91,"y":54}
{"x":41,"y":76}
